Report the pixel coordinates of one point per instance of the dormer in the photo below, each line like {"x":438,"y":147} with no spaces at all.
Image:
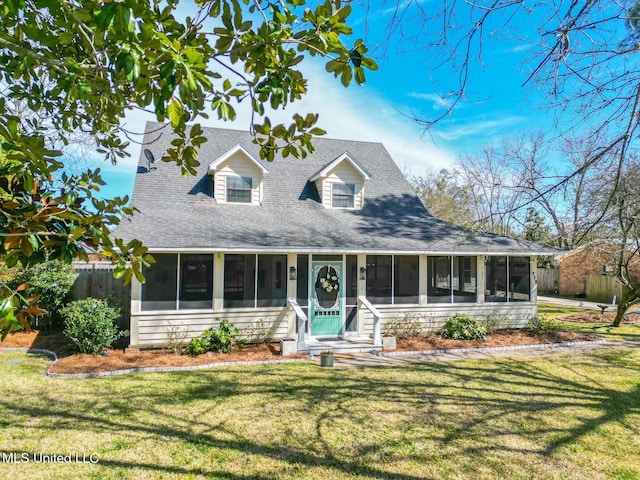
{"x":341,"y":183}
{"x":238,"y":177}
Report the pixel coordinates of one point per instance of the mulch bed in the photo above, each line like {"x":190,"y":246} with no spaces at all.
{"x":120,"y":359}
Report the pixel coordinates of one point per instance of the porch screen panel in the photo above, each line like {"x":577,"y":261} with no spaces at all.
{"x":302,"y":286}
{"x":302,"y":280}
{"x":496,"y":279}
{"x":272,"y":280}
{"x":406,"y":288}
{"x":160,"y":290}
{"x":519,"y":284}
{"x":196,"y":281}
{"x":239,"y":281}
{"x":438,"y":280}
{"x":351,"y":282}
{"x":465,"y":279}
{"x":379,"y":279}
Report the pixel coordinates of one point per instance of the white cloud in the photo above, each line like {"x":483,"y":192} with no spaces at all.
{"x":480,"y":128}
{"x":438,"y":101}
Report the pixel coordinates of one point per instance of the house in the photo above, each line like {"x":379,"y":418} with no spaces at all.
{"x":595,"y":258}
{"x":330,"y":246}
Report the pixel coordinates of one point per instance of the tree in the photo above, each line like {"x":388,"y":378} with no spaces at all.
{"x":82,"y":64}
{"x":581,"y":54}
{"x":444,"y":198}
{"x":626,"y":216}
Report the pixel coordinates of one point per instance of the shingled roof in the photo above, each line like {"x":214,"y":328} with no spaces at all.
{"x":177,"y":213}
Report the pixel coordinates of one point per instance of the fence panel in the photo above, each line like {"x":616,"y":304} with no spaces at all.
{"x":547,"y":280}
{"x":95,"y":280}
{"x":602,"y":288}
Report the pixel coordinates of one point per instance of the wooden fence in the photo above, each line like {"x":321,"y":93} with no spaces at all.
{"x":547,"y":279}
{"x":602,"y":288}
{"x":96,"y":280}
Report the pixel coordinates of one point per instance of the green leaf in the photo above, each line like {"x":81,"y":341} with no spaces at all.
{"x":175,"y":110}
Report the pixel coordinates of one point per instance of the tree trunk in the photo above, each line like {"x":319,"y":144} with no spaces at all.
{"x":628,"y":300}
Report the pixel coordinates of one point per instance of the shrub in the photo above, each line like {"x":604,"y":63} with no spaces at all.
{"x":543,"y":325}
{"x":493,"y":322}
{"x":405,"y":325}
{"x":198,"y":346}
{"x":220,"y":340}
{"x":176,"y":337}
{"x":259,"y":332}
{"x":53,"y":280}
{"x":223,"y":338}
{"x":463,"y":327}
{"x":90,"y":324}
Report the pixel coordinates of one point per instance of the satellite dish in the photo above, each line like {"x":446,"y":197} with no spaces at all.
{"x":150,"y":158}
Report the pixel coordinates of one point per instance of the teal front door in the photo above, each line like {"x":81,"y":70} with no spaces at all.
{"x":326,"y":298}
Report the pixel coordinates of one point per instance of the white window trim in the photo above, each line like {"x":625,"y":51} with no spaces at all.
{"x":343,"y":195}
{"x":227,"y":188}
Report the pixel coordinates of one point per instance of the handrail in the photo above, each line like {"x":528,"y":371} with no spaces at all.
{"x":377,"y":337}
{"x":302,"y":319}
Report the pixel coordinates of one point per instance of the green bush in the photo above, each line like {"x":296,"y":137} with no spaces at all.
{"x":198,"y":346}
{"x":90,"y":324}
{"x":53,"y":281}
{"x":220,"y":340}
{"x":543,"y":325}
{"x":463,"y":327}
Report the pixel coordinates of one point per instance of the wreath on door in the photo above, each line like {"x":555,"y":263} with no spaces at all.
{"x":327,"y":286}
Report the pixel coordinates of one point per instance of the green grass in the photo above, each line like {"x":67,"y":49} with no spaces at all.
{"x":554,"y":310}
{"x":551,"y":417}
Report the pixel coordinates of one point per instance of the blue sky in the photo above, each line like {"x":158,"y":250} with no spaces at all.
{"x":406,"y":84}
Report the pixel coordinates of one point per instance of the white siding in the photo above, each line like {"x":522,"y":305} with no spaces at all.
{"x":505,"y":315}
{"x":342,"y":173}
{"x":238,"y":165}
{"x":153,"y":327}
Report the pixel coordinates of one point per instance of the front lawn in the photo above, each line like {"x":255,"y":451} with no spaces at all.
{"x":602,"y":329}
{"x":550,"y":417}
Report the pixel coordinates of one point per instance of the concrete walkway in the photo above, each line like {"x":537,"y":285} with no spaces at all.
{"x":574,"y":302}
{"x":533,"y":351}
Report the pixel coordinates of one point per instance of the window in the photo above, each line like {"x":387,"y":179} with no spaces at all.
{"x":496,"y":279}
{"x":343,"y":195}
{"x":406,"y":279}
{"x":239,"y":189}
{"x":393,"y":279}
{"x":272,"y":282}
{"x":507,"y":279}
{"x":519,"y":276}
{"x":196,"y":281}
{"x":379,"y":279}
{"x":464,"y":279}
{"x":239,"y":281}
{"x":439,"y":278}
{"x":164,"y":289}
{"x":246,"y":286}
{"x":351,"y":293}
{"x":451,"y":279}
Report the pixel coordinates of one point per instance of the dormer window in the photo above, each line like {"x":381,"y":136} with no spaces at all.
{"x":343,"y":195}
{"x":239,"y":189}
{"x":238,"y":177}
{"x":340,"y":183}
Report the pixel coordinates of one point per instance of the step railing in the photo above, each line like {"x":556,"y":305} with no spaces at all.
{"x":302,"y":319}
{"x":363,"y":302}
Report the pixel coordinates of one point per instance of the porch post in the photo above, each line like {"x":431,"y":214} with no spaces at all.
{"x":292,"y":288}
{"x":533,"y":280}
{"x":480,"y":279}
